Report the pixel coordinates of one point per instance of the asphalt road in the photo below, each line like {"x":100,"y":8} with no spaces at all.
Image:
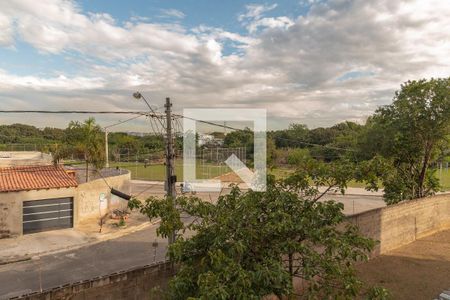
{"x":355,"y":200}
{"x":130,"y":251}
{"x":50,"y":271}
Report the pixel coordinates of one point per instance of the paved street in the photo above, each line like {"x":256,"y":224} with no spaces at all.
{"x":132,"y":250}
{"x":355,"y":200}
{"x":100,"y":259}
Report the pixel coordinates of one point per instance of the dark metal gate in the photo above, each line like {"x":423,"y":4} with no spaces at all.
{"x":48,"y":214}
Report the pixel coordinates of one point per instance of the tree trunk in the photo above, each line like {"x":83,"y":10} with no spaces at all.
{"x":426,"y":159}
{"x":87,"y":170}
{"x":291,"y":263}
{"x":291,"y":271}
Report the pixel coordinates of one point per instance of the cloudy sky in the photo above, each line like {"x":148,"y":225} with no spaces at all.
{"x":307,"y":61}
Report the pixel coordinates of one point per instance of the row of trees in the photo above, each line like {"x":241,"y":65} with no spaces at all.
{"x":121,"y":143}
{"x":27,"y":134}
{"x":399,"y":143}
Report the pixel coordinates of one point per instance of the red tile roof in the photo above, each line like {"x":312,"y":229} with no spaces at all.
{"x":25,"y":178}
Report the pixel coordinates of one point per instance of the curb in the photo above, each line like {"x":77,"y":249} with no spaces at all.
{"x":91,"y":242}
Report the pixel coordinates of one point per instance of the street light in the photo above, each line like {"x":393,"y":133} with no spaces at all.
{"x":170,"y":170}
{"x":137,"y":95}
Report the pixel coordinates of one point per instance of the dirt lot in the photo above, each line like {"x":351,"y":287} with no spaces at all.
{"x":420,"y":270}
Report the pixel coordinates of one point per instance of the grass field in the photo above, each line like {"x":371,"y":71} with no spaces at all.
{"x":157,"y":171}
{"x":207,"y":171}
{"x":444,"y":177}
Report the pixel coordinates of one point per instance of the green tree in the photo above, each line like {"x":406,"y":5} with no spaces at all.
{"x":87,"y":138}
{"x":410,"y":134}
{"x":241,"y":138}
{"x":291,"y":137}
{"x":59,"y":152}
{"x":296,"y":156}
{"x":252,"y":244}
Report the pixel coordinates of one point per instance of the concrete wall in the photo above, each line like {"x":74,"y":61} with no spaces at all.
{"x":24,"y":158}
{"x":133,"y":284}
{"x":11,"y":205}
{"x":397,"y":225}
{"x":88,"y":195}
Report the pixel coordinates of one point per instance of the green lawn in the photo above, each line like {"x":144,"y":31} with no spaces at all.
{"x":157,"y":171}
{"x":444,"y":177}
{"x":208,"y":171}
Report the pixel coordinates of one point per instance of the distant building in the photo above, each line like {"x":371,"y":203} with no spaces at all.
{"x":138,"y":134}
{"x":209,"y":140}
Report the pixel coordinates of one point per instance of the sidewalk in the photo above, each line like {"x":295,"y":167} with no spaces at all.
{"x":28,"y":246}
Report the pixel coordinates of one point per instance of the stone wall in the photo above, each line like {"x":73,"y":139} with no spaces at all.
{"x":135,"y":283}
{"x":397,"y":225}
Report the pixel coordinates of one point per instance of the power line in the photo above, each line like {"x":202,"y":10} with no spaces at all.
{"x":158,"y":116}
{"x":124,"y":121}
{"x":286,"y":139}
{"x":210,"y":123}
{"x":71,"y":112}
{"x":138,"y":95}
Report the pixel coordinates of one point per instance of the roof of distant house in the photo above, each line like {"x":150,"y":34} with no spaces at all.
{"x":26,"y":178}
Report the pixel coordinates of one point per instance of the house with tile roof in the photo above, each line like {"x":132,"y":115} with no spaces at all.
{"x":35,"y":198}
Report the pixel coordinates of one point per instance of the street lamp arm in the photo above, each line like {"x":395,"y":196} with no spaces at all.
{"x":138,"y":95}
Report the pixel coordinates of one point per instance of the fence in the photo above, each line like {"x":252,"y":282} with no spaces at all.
{"x":210,"y":163}
{"x":151,"y":165}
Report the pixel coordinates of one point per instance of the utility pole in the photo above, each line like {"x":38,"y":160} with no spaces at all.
{"x":106,"y":148}
{"x":171,"y":179}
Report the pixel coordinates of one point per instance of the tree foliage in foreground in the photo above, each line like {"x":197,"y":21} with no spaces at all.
{"x":251,"y":244}
{"x":407,"y":137}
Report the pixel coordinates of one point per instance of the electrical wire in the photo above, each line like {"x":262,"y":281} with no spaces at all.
{"x":158,"y":116}
{"x":286,"y":139}
{"x":71,"y":112}
{"x":124,"y":121}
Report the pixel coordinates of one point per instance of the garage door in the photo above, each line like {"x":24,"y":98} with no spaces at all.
{"x":48,"y":214}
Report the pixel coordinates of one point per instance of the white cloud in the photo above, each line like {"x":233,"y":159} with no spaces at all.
{"x":59,"y":83}
{"x":173,"y":13}
{"x":310,"y":69}
{"x":53,"y":26}
{"x":255,"y":11}
{"x":6,"y":30}
{"x":279,"y":22}
{"x":204,"y":32}
{"x":253,"y":19}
